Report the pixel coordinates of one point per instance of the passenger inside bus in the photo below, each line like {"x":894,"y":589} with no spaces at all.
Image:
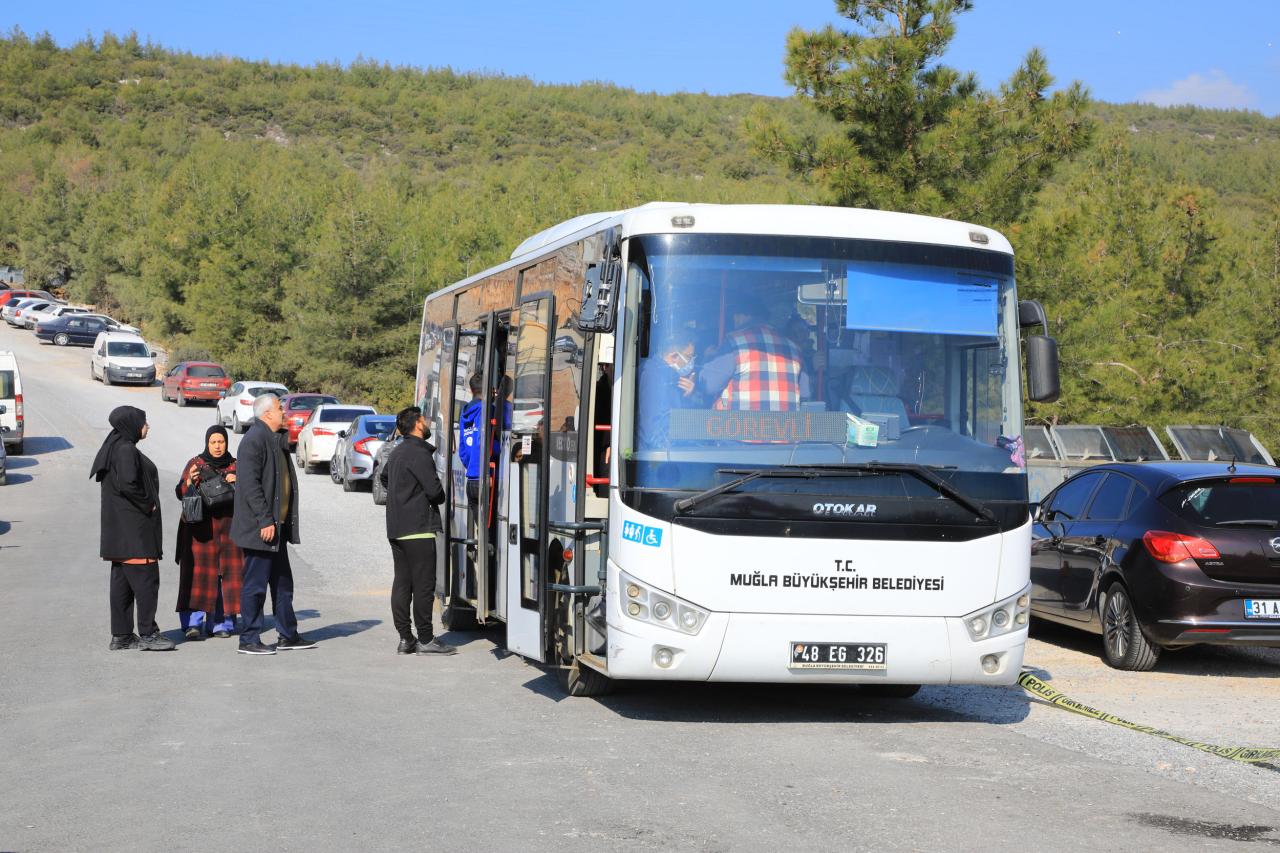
{"x":759,"y":369}
{"x":666,"y":383}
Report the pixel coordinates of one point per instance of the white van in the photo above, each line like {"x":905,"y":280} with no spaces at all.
{"x":119,"y":357}
{"x":11,"y":399}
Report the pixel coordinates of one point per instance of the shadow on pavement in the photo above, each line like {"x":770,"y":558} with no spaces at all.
{"x":15,"y":462}
{"x":16,"y":479}
{"x":36,"y":445}
{"x":342,"y":629}
{"x":5,"y":527}
{"x":701,"y":702}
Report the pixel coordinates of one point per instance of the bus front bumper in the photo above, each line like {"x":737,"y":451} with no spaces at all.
{"x":751,"y":647}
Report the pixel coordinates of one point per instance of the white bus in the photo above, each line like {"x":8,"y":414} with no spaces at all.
{"x":742,"y":443}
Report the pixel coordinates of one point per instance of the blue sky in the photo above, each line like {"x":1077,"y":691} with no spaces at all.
{"x":1175,"y":51}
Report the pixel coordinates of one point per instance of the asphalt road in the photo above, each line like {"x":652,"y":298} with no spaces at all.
{"x":351,"y":747}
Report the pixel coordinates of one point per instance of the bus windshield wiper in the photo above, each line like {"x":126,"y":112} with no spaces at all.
{"x":1269,"y":523}
{"x":851,"y":469}
{"x":924,"y":473}
{"x":686,"y":504}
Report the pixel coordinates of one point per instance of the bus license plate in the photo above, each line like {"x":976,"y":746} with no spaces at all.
{"x":839,"y":655}
{"x":1262,"y":608}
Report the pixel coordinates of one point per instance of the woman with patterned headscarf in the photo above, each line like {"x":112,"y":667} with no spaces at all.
{"x":211,"y":566}
{"x":131,"y":530}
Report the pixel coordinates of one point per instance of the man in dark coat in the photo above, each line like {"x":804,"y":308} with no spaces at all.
{"x":264,"y":523}
{"x":413,"y":522}
{"x":131,"y":530}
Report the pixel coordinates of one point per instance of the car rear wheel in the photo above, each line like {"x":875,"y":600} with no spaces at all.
{"x":379,"y":493}
{"x":180,"y":399}
{"x":334,"y":471}
{"x":236,"y":426}
{"x":61,"y":339}
{"x":1123,"y":643}
{"x":298,"y":458}
{"x":348,"y":484}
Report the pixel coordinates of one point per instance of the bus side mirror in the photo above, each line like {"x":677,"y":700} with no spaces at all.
{"x":600,"y":287}
{"x":1043,"y":382}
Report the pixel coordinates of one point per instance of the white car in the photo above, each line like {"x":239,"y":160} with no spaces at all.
{"x":235,"y":410}
{"x":121,"y":357}
{"x":319,"y":438}
{"x":33,"y":318}
{"x":116,"y":325}
{"x":16,"y":308}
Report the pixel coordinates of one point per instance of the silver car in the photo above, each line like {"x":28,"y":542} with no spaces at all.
{"x":357,"y":447}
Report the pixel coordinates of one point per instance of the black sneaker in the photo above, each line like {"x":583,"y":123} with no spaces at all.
{"x":222,"y":635}
{"x":435,"y":647}
{"x":256,"y":649}
{"x":193,"y":633}
{"x":128,"y":641}
{"x":156,"y":642}
{"x":408,"y":646}
{"x":298,"y":642}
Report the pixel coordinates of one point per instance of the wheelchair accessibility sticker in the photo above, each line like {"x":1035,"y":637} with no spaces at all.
{"x":633,"y":532}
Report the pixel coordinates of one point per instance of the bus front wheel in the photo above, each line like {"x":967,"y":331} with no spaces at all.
{"x":580,"y":680}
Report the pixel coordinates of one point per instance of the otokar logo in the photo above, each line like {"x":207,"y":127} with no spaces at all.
{"x":845,"y":510}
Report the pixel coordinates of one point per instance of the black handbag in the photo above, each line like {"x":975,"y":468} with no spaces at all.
{"x":215,"y":491}
{"x":193,"y":508}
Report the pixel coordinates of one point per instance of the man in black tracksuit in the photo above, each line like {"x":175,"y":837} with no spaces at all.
{"x":413,"y":522}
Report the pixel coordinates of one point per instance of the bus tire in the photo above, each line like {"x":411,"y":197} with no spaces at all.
{"x":455,"y":617}
{"x":579,"y":680}
{"x":891,"y":691}
{"x":1124,"y":646}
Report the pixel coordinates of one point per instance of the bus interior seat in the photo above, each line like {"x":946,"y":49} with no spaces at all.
{"x":875,"y":389}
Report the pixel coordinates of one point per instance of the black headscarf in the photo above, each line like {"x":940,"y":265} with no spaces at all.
{"x":126,"y":425}
{"x":217,"y":462}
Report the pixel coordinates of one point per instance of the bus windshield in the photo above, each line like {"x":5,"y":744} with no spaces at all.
{"x":752,"y":351}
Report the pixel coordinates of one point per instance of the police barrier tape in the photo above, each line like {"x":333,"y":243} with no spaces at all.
{"x":1263,"y":756}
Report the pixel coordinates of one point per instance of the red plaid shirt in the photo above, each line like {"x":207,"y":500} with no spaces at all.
{"x":767,"y":376}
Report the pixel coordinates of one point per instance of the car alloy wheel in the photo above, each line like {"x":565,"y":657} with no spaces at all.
{"x":1124,"y":644}
{"x":1117,"y":624}
{"x":61,"y":339}
{"x":334,"y":471}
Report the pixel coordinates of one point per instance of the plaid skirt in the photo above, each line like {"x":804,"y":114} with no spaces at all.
{"x":206,"y":553}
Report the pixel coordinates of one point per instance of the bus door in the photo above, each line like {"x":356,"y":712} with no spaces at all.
{"x":463,"y":543}
{"x":527,"y":499}
{"x":495,"y":420}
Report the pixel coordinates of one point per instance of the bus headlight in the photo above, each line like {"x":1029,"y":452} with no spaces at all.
{"x":646,"y":604}
{"x":1001,"y":617}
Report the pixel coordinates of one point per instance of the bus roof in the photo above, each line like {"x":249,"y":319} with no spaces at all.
{"x":788,"y":219}
{"x":782,"y":219}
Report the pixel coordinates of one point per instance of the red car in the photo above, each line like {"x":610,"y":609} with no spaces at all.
{"x":298,"y":409}
{"x":195,"y":380}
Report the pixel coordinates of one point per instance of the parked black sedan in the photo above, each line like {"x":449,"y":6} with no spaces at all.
{"x":77,"y":329}
{"x":1160,"y":555}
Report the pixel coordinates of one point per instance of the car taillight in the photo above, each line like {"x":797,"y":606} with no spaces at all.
{"x":1175,"y":547}
{"x":362,"y":446}
{"x":246,"y":401}
{"x":1267,"y":480}
{"x":17,"y":409}
{"x":322,"y":431}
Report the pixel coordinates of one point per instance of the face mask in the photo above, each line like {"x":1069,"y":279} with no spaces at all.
{"x":684,"y":369}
